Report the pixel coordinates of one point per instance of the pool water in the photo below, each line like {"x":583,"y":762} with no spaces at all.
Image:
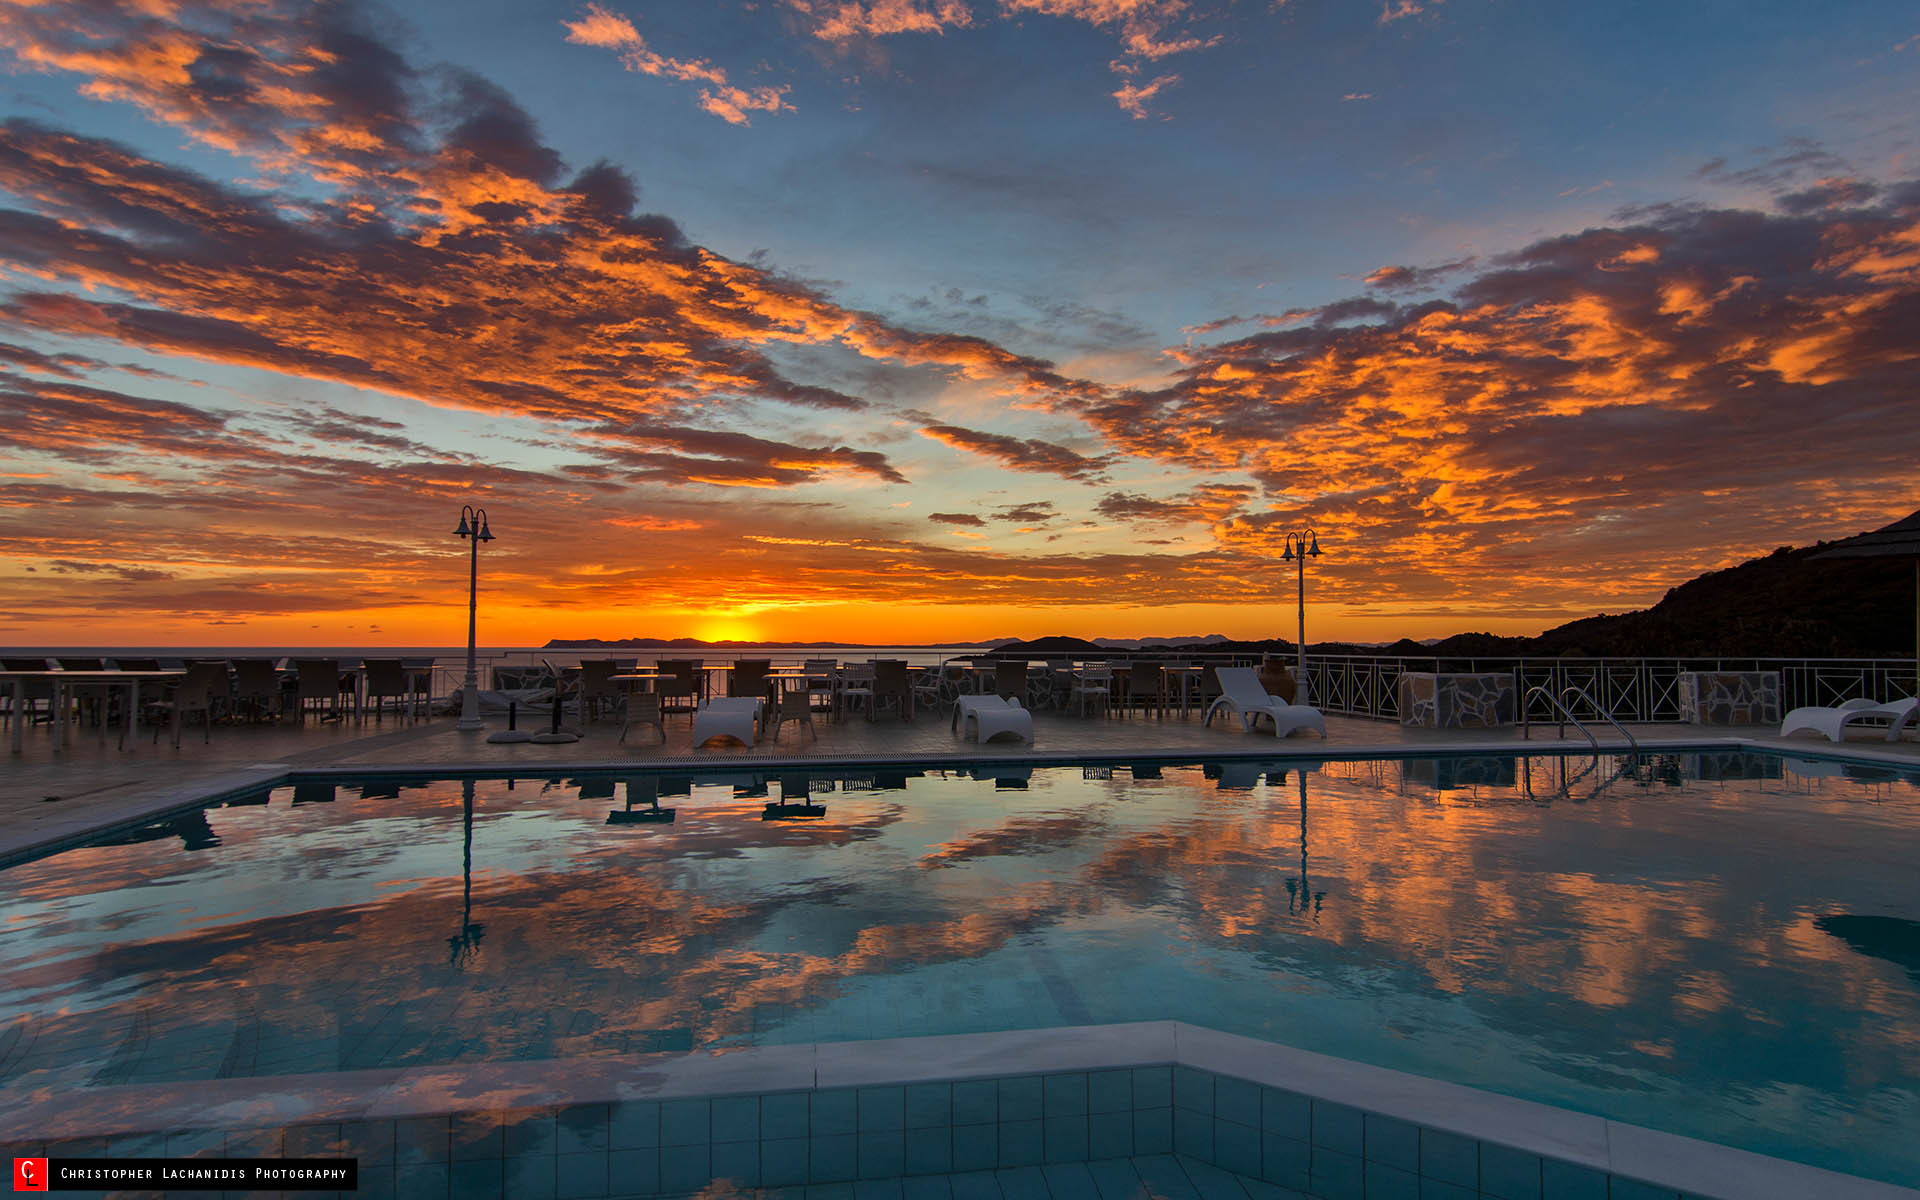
{"x":1722,"y":945}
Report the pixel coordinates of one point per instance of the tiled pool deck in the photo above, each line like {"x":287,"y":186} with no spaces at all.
{"x":1239,"y":1120}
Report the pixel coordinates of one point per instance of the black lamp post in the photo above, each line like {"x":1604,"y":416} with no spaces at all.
{"x":473,"y":526}
{"x":1302,"y":545}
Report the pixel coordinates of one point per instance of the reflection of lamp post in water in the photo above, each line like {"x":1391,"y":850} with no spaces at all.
{"x":464,"y":946}
{"x":1299,"y":892}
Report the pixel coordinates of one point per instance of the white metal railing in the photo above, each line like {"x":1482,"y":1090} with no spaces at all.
{"x":1640,"y":690}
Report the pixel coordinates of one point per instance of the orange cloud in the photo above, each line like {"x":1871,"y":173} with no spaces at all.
{"x":607,"y":30}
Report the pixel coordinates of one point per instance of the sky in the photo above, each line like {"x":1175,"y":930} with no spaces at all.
{"x":934,"y":320}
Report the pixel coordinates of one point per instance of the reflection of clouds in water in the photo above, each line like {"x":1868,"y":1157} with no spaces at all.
{"x":1579,"y":939}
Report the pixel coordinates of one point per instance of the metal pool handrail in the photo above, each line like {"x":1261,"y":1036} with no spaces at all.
{"x":1566,"y":714}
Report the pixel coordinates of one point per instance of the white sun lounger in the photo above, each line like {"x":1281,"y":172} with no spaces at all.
{"x":729,"y":716}
{"x":1832,"y":722}
{"x":1241,"y":693}
{"x":992,"y":716}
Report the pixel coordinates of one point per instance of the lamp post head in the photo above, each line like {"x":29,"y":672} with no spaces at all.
{"x":473,"y":524}
{"x":1315,"y":552}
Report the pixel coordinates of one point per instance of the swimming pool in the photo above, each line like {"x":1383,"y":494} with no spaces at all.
{"x":1719,"y":944}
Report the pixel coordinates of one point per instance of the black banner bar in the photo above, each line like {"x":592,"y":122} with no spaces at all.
{"x":204,"y":1174}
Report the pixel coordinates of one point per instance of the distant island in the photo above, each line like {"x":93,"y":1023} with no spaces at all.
{"x":1779,"y":606}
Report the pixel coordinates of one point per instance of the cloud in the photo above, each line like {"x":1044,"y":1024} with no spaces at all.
{"x":1407,"y":279}
{"x":956,"y":519}
{"x":1030,"y":454}
{"x":842,"y":21}
{"x":1133,"y":97}
{"x":1207,"y":504}
{"x":607,"y":30}
{"x":1032,"y":512}
{"x":1731,"y":379}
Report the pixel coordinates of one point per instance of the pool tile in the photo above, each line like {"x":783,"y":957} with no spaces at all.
{"x":1338,"y":1128}
{"x":1022,"y":1183}
{"x":1212,"y":1182}
{"x":1116,"y":1179}
{"x":418,"y":1140}
{"x":1152,"y":1131}
{"x":833,"y":1159}
{"x":1394,"y":1143}
{"x":929,"y":1151}
{"x":883,"y":1155}
{"x":685,"y":1123}
{"x":934,"y":1187}
{"x":882,"y":1109}
{"x":1193,"y":1090}
{"x":976,"y":1147}
{"x":929,"y":1104}
{"x":634,"y":1125}
{"x":1064,"y":1095}
{"x":1020,"y":1099}
{"x":834,"y":1112}
{"x":1236,"y":1100}
{"x":1065,"y":1139}
{"x":1566,"y":1181}
{"x":241,"y":1143}
{"x":1192,"y":1133}
{"x":1260,"y":1190}
{"x":877,"y":1189}
{"x":830,"y":1191}
{"x":1152,"y":1087}
{"x":1390,"y":1183}
{"x":529,"y":1132}
{"x":783,"y":1115}
{"x":1022,"y":1143}
{"x":477,"y":1137}
{"x":685,"y":1168}
{"x":1165,"y":1178}
{"x":1070,"y":1181}
{"x":736,"y":1119}
{"x":1236,"y":1147}
{"x":631,"y":1172}
{"x":582,"y":1128}
{"x":1620,"y":1188}
{"x":783,"y":1162}
{"x":376,"y":1183}
{"x":737,"y":1161}
{"x":975,"y":1185}
{"x":976,"y":1102}
{"x":308,"y":1141}
{"x":1110,"y":1135}
{"x":1448,"y":1158}
{"x":1109,"y":1091}
{"x":200,"y":1143}
{"x":1337,"y":1176}
{"x":426,"y":1181}
{"x":579,"y":1176}
{"x":1507,"y":1174}
{"x":1288,"y":1114}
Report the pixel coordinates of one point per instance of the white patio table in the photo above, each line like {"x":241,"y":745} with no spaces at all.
{"x":63,"y":681}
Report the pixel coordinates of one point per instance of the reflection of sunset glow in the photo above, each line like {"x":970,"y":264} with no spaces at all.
{"x":1448,"y":930}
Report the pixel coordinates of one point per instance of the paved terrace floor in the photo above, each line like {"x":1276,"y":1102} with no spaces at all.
{"x":49,"y":794}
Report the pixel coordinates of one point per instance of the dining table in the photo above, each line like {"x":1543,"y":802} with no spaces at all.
{"x":63,"y":684}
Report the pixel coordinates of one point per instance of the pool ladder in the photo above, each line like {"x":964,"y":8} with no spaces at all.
{"x":1565,"y":714}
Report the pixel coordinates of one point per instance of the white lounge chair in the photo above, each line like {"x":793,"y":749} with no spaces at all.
{"x":992,"y":716}
{"x":1241,"y":693}
{"x":729,"y":716}
{"x":1832,"y":722}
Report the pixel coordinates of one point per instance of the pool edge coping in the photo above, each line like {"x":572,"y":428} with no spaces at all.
{"x":1664,"y":1160}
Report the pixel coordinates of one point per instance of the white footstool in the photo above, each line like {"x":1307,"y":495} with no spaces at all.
{"x":992,"y":715}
